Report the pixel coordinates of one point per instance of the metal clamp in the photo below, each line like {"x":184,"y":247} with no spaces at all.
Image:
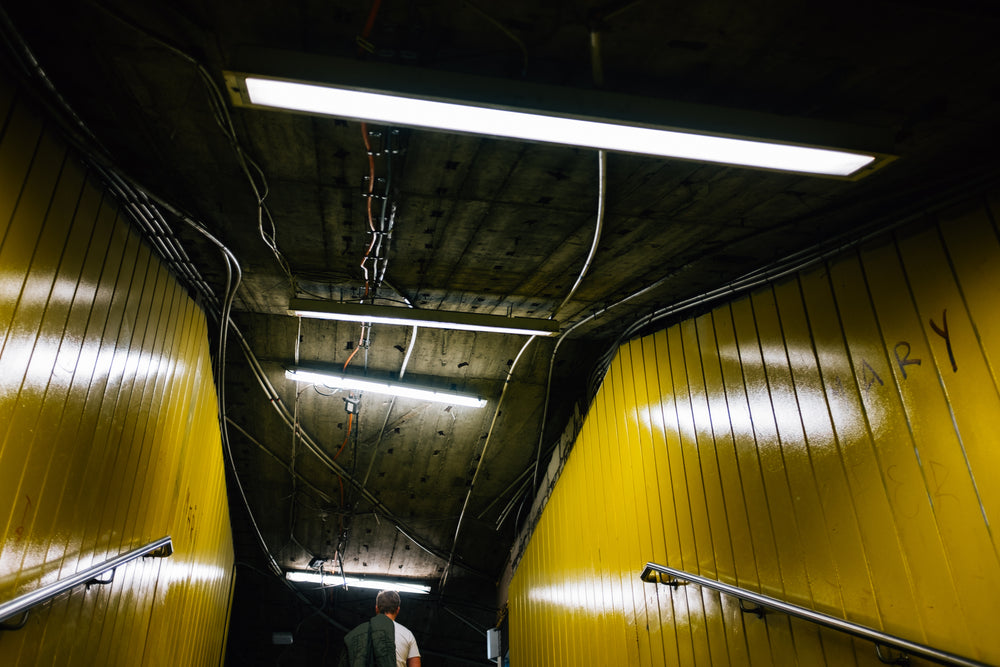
{"x":888,"y":659}
{"x":101,"y":582}
{"x":665,"y":579}
{"x":756,"y":610}
{"x":11,"y":627}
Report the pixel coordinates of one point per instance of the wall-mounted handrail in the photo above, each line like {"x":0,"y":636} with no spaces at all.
{"x":654,"y":573}
{"x":22,"y":604}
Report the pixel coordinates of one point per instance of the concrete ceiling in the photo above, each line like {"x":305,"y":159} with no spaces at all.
{"x":435,"y":492}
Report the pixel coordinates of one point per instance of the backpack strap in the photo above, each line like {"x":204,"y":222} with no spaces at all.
{"x":371,"y":661}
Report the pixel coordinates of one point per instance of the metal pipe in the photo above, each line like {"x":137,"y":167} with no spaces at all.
{"x":832,"y":622}
{"x":160,"y":548}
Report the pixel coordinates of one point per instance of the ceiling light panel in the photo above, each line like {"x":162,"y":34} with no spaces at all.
{"x":327,"y":579}
{"x":436,"y":319}
{"x":363,"y":384}
{"x":593,"y":119}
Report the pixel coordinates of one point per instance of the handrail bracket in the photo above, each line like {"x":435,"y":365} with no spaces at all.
{"x":756,"y":610}
{"x":101,"y":582}
{"x":10,"y":627}
{"x":654,"y":577}
{"x":888,"y":658}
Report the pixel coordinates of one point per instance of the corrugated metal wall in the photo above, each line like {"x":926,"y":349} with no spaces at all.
{"x":831,"y":441}
{"x":109,"y":435}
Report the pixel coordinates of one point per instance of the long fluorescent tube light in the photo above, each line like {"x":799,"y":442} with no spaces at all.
{"x":324,"y":578}
{"x":396,"y":110}
{"x":437,"y":319}
{"x":340,"y":381}
{"x":420,"y":98}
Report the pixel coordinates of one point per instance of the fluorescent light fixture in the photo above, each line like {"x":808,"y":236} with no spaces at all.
{"x":396,"y":110}
{"x":341,"y":381}
{"x":327,"y":579}
{"x":419,"y":98}
{"x":437,"y":319}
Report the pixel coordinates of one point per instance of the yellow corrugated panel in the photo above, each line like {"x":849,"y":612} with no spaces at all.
{"x":828,"y":441}
{"x":110,"y":435}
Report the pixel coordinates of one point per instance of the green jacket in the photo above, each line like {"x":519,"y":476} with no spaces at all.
{"x":378,"y":634}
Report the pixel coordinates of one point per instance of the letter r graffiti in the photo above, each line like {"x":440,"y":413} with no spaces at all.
{"x":905,"y":360}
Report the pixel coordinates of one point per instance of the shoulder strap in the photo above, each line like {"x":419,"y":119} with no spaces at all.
{"x":371,"y":660}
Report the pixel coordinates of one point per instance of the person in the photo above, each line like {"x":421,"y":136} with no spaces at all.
{"x":381,"y":641}
{"x":407,"y":653}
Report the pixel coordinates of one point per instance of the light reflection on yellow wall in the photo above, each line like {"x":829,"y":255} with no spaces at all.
{"x":830,"y":441}
{"x":109,"y":433}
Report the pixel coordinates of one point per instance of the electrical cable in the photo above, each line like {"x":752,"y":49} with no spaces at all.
{"x":598,"y":226}
{"x":602,"y":177}
{"x":313,"y":447}
{"x":506,"y":31}
{"x":322,"y":495}
{"x":482,"y":457}
{"x":602,"y":180}
{"x":224,"y":120}
{"x":141,"y":204}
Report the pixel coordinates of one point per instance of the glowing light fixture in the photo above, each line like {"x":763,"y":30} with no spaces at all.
{"x":341,"y":381}
{"x":437,"y":319}
{"x":418,"y":98}
{"x":327,"y":579}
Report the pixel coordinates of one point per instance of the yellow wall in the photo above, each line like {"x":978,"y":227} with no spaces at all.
{"x":109,"y":435}
{"x":822,"y":441}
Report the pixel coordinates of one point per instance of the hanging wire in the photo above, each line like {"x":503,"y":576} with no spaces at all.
{"x":482,"y":457}
{"x":144,"y":207}
{"x":223,"y":119}
{"x":598,"y":226}
{"x":506,"y":31}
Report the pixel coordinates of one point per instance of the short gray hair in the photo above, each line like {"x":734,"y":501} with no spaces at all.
{"x":387,"y":601}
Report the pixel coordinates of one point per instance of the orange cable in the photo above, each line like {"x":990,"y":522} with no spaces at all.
{"x":350,"y":422}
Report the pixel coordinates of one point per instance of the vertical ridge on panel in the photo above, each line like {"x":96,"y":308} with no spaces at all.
{"x":590,"y":454}
{"x":926,"y":444}
{"x":736,"y":541}
{"x":715,"y":561}
{"x":561,"y":566}
{"x":973,"y":251}
{"x":783,"y":428}
{"x":117,"y":386}
{"x":56,"y":502}
{"x":760,"y":553}
{"x":975,"y":409}
{"x":958,"y":456}
{"x":847,"y":565}
{"x":659,"y":621}
{"x":797,"y":402}
{"x":41,"y":400}
{"x":886,"y":599}
{"x":676,"y":639}
{"x":705,"y":470}
{"x":632,"y":547}
{"x":699,"y":552}
{"x":606,"y":617}
{"x":892,"y":451}
{"x":22,"y":302}
{"x":761,"y":456}
{"x":640,"y":462}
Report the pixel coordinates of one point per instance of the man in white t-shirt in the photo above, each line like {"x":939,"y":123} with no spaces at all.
{"x":407,"y":653}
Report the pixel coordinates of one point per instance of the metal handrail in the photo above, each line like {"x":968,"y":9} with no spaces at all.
{"x":654,"y":573}
{"x":22,"y":604}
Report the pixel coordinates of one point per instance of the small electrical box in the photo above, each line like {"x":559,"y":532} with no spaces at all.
{"x":493,"y":643}
{"x":281,"y":638}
